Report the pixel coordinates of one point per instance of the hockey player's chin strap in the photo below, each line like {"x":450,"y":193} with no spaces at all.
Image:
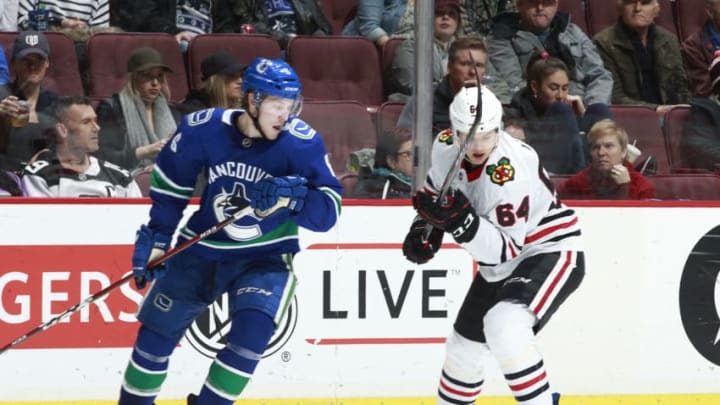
{"x":256,"y":121}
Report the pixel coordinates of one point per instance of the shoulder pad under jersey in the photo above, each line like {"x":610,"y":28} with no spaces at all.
{"x":299,"y":128}
{"x":446,"y":136}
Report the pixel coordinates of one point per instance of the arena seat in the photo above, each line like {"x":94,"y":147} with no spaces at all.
{"x":142,"y":178}
{"x":686,"y":187}
{"x":387,"y":115}
{"x":339,"y":13}
{"x":601,"y":14}
{"x":690,"y":16}
{"x":386,"y":61}
{"x":577,"y":13}
{"x":337,"y":68}
{"x":643,"y":125}
{"x":345,"y":126}
{"x":63,"y":75}
{"x":348,"y":181}
{"x":674,"y":122}
{"x":107,"y":61}
{"x":245,"y":48}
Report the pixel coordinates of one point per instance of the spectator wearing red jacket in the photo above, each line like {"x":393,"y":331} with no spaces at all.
{"x":610,"y":176}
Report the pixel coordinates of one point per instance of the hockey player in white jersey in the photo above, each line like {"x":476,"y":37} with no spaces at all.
{"x":502,"y":209}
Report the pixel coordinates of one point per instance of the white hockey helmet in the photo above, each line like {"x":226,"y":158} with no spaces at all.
{"x":463,"y":110}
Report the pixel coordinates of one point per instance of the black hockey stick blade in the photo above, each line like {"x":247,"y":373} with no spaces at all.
{"x":282,"y":202}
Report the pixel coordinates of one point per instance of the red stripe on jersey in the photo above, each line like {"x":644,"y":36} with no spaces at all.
{"x":529,"y":383}
{"x":512,"y":249}
{"x":554,"y":283}
{"x":547,"y":231}
{"x":457,"y":392}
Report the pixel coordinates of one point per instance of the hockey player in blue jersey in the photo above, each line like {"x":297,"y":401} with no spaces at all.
{"x":255,"y":156}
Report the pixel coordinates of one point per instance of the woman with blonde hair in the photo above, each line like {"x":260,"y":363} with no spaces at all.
{"x":136,"y":122}
{"x":610,"y":175}
{"x":222,"y":84}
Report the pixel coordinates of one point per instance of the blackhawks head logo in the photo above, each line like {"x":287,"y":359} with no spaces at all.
{"x":501,"y":172}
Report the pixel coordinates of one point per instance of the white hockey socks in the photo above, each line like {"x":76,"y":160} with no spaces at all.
{"x":510,"y":336}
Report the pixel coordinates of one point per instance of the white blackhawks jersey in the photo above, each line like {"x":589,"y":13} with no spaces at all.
{"x":519,"y":211}
{"x":45,"y":177}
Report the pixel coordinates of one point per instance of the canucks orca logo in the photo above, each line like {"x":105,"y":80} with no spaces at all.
{"x":700,"y":296}
{"x":207,"y":332}
{"x":502,"y":172}
{"x":225,"y":204}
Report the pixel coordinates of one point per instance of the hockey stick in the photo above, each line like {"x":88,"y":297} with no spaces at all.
{"x":455,"y":168}
{"x":282,"y":202}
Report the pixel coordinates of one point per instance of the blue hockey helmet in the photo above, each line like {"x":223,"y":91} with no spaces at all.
{"x":271,"y":77}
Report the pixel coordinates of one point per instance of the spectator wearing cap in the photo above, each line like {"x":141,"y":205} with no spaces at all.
{"x":137,"y":121}
{"x":222,"y":84}
{"x":644,"y":59}
{"x":24,"y":101}
{"x":700,"y":142}
{"x":446,"y":26}
{"x":698,"y":49}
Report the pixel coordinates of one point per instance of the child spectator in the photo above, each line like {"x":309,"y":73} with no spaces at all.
{"x":610,"y":176}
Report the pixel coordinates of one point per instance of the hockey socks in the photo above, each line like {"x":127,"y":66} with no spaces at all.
{"x":234,"y":365}
{"x":147,"y":368}
{"x":463,"y":373}
{"x":510,"y":336}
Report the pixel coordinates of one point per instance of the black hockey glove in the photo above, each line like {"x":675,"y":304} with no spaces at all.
{"x":415,"y":249}
{"x":455,"y":216}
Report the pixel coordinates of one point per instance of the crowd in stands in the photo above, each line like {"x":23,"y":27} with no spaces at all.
{"x":571,"y":81}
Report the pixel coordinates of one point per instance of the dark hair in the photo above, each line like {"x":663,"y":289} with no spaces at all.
{"x":63,"y":103}
{"x":464,"y":43}
{"x":541,"y":65}
{"x":388,"y":144}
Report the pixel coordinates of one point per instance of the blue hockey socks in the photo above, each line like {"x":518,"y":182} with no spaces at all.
{"x":230,"y":372}
{"x":147,"y":369}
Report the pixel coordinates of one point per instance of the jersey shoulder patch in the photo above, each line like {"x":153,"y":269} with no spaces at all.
{"x":299,"y":128}
{"x":445,"y":136}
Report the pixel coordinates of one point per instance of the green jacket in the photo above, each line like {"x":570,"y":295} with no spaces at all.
{"x":620,"y":59}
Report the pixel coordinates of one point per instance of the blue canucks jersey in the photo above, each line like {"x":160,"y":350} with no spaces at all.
{"x":209,"y":142}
